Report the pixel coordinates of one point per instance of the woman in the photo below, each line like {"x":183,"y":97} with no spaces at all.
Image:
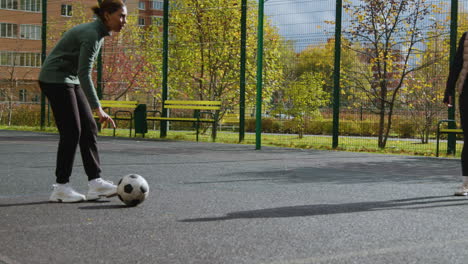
{"x":457,"y":80}
{"x":65,"y":79}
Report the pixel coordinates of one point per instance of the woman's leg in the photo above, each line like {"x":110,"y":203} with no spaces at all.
{"x":464,"y":123}
{"x":64,"y":105}
{"x":88,"y":138}
{"x":89,"y":152}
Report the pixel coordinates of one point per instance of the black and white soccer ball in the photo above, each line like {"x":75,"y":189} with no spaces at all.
{"x":132,"y":189}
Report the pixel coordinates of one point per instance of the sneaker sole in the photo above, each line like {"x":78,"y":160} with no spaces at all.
{"x":65,"y":201}
{"x":95,"y":197}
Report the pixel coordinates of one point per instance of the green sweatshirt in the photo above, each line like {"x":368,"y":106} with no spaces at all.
{"x":71,"y":60}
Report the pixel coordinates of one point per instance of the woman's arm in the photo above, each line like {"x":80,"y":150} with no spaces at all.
{"x":89,"y":50}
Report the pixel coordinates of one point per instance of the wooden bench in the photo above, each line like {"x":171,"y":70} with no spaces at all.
{"x":446,"y":131}
{"x":125,"y":115}
{"x":230,"y":118}
{"x":204,"y":112}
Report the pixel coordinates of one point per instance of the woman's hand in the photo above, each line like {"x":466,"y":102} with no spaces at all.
{"x":104,"y":117}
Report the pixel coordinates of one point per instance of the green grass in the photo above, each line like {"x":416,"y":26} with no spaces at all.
{"x":369,"y":145}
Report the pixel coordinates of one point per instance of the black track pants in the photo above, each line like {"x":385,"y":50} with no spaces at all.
{"x":76,"y":125}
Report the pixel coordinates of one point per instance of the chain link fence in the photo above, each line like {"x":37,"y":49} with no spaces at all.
{"x":392,"y":72}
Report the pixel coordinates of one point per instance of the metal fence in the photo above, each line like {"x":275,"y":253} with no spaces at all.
{"x":390,"y":84}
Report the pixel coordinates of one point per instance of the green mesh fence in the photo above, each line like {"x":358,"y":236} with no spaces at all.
{"x":392,"y":76}
{"x":393,"y":73}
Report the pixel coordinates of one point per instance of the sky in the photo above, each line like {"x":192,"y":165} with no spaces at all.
{"x":302,"y":20}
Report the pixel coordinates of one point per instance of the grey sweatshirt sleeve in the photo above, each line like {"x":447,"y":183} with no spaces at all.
{"x":89,"y":50}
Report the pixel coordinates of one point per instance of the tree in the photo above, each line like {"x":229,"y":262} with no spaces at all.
{"x":205,"y":52}
{"x":151,"y":50}
{"x":16,"y":75}
{"x":389,"y":32}
{"x":306,"y":96}
{"x":124,"y":61}
{"x":425,"y":88}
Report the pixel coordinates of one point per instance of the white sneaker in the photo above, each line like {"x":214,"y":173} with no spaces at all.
{"x":100,"y":188}
{"x":64,"y":193}
{"x":462,"y":191}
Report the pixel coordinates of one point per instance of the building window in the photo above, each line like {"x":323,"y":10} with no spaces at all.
{"x":9,"y":4}
{"x":30,"y":32}
{"x":157,"y":21}
{"x":8,"y":30}
{"x":31,"y":5}
{"x":141,"y":5}
{"x":22,"y":95}
{"x":141,"y":21}
{"x":24,"y":5}
{"x":6,"y":58}
{"x":66,"y":10}
{"x":20,"y":59}
{"x":157,"y":5}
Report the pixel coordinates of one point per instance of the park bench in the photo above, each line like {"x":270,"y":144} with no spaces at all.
{"x":203,"y":112}
{"x":120,"y":114}
{"x":446,"y":131}
{"x":230,"y":119}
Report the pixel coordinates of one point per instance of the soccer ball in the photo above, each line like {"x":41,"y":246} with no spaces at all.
{"x":132,"y":189}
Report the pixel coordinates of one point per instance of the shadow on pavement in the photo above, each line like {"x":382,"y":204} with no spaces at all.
{"x":44,"y":202}
{"x":100,"y":207}
{"x":327,"y":209}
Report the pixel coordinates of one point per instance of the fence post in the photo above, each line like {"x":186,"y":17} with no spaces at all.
{"x":336,"y":74}
{"x":163,"y":127}
{"x":99,"y":87}
{"x":242,"y":71}
{"x":43,"y":56}
{"x":451,"y":139}
{"x":258,"y":108}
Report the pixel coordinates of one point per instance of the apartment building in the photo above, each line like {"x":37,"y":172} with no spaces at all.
{"x":21,"y":43}
{"x":150,"y":12}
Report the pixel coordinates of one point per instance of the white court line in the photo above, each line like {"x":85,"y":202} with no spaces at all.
{"x":367,"y":253}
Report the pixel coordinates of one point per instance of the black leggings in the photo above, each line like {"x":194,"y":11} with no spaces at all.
{"x":76,"y":125}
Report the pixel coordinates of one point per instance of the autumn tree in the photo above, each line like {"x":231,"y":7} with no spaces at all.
{"x":151,"y":50}
{"x":124,"y":61}
{"x":425,"y":88}
{"x":388,"y":32}
{"x":306,"y":96}
{"x":15,"y":76}
{"x":204,"y":52}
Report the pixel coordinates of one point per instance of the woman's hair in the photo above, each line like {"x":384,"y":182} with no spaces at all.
{"x":109,"y":6}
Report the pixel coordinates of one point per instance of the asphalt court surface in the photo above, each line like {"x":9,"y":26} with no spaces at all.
{"x":224,"y":203}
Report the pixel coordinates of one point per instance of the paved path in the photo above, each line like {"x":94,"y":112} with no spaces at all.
{"x":220,"y":203}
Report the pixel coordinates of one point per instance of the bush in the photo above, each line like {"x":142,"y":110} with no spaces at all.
{"x":269,"y":125}
{"x":22,"y":115}
{"x":405,"y":129}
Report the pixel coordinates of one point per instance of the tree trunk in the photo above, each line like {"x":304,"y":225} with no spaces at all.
{"x":10,"y":111}
{"x":381,"y":142}
{"x":389,"y":125}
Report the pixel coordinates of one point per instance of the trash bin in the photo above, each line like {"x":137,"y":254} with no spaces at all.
{"x":141,"y":126}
